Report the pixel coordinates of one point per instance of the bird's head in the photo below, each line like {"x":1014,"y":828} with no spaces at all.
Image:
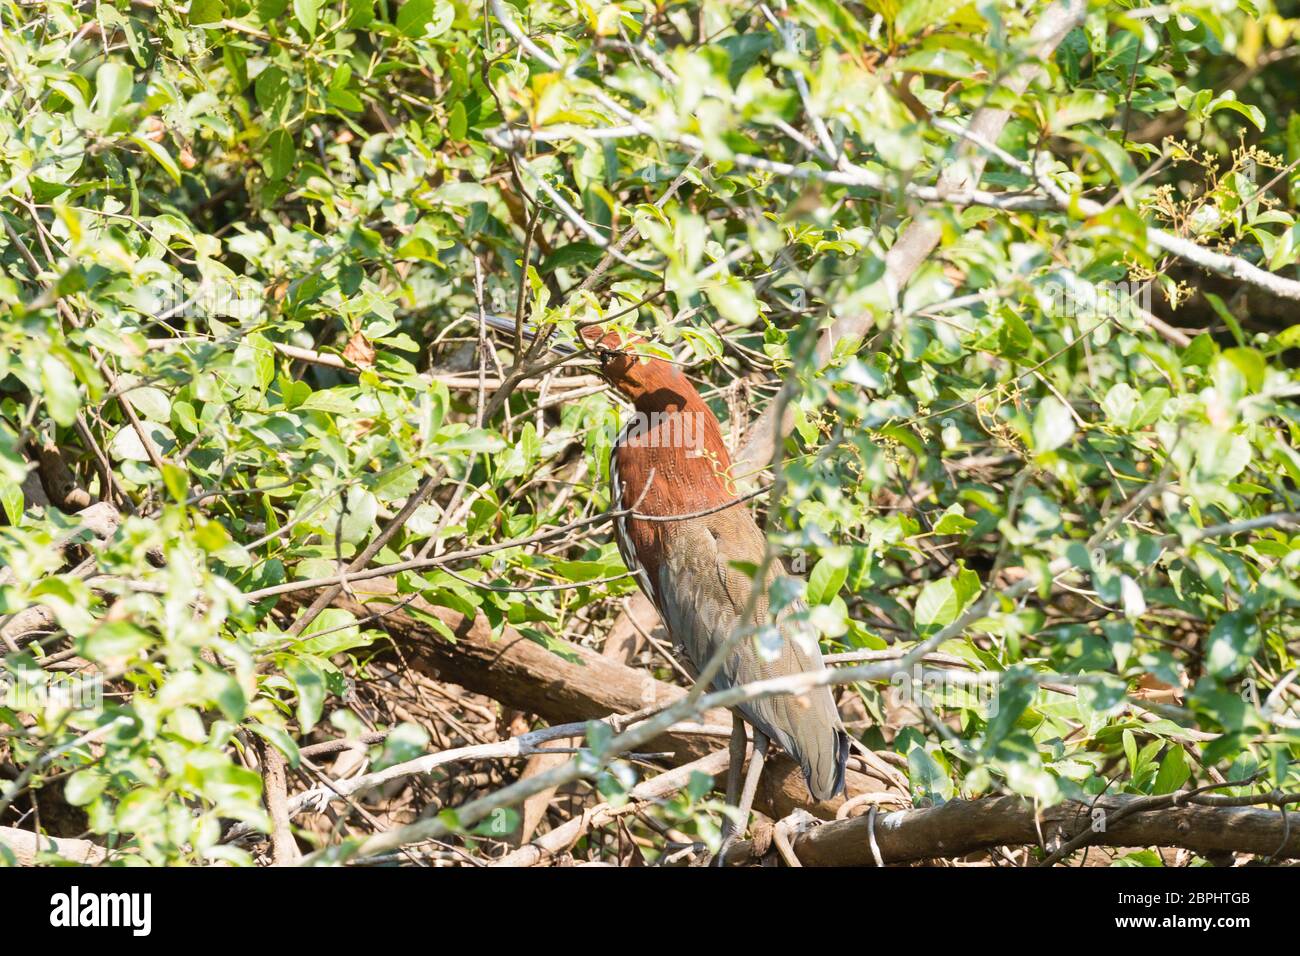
{"x":634,"y":374}
{"x":648,"y":382}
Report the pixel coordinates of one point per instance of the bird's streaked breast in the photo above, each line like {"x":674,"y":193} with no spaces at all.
{"x":622,"y":533}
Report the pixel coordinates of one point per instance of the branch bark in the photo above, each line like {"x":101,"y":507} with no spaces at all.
{"x":26,"y":846}
{"x":966,"y":826}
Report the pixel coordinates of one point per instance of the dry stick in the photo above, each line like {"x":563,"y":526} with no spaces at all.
{"x":284,"y":851}
{"x":326,"y":747}
{"x":1227,"y":266}
{"x":482,"y":349}
{"x":466,"y":381}
{"x":534,"y":809}
{"x":921,"y":237}
{"x":109,"y":480}
{"x":524,"y":745}
{"x":648,"y":791}
{"x":522,"y":297}
{"x":333,"y":587}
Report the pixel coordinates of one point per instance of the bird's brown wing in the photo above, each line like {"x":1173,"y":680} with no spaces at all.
{"x":703,"y":598}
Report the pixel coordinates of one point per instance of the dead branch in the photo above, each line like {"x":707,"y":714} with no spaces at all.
{"x":563,"y":837}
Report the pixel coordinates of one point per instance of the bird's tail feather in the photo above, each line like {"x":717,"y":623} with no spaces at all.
{"x":822,"y":756}
{"x":824,"y":769}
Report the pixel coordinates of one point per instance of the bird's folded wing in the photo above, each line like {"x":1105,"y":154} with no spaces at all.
{"x":704,"y":598}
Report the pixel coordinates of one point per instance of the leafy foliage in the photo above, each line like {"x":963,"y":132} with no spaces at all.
{"x":248,"y":243}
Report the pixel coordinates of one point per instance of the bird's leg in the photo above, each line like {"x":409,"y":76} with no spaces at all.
{"x":736,"y":766}
{"x":756,"y":760}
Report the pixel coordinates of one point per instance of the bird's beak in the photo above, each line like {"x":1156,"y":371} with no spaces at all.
{"x":506,"y":323}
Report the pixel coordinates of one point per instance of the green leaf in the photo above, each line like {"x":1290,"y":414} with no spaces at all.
{"x":404,"y":742}
{"x":826,"y":579}
{"x":115,"y":641}
{"x":280,"y":155}
{"x":305,"y":11}
{"x":1222,"y":311}
{"x":477,"y":439}
{"x":11,"y":500}
{"x":735,"y":301}
{"x":1229,"y":101}
{"x":309,"y":681}
{"x":206,"y":11}
{"x":113,"y":83}
{"x":930,"y":782}
{"x":1120,"y":404}
{"x":1013,"y":697}
{"x":457,"y":123}
{"x":413,"y":16}
{"x":1113,"y":156}
{"x":62,"y":397}
{"x":328,"y":400}
{"x":953,"y":521}
{"x":1200,"y":352}
{"x":1015,"y":337}
{"x":1082,"y":106}
{"x":943,"y":600}
{"x":1233,"y":641}
{"x":84,"y":786}
{"x":1053,"y":425}
{"x":359,"y":517}
{"x":160,"y":155}
{"x":334,"y":630}
{"x":127,"y":445}
{"x":444,"y":14}
{"x":278,"y":739}
{"x":1174,"y":771}
{"x":583,"y":570}
{"x":571,"y":254}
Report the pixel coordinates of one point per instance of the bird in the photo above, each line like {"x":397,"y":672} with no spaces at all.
{"x":690,"y":542}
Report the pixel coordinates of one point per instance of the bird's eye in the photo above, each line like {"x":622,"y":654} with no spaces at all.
{"x":606,"y":356}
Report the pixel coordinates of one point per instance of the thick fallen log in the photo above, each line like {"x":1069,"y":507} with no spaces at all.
{"x":576,"y":684}
{"x":966,"y":826}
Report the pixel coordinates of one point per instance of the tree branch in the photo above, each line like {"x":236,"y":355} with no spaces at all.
{"x":966,"y":826}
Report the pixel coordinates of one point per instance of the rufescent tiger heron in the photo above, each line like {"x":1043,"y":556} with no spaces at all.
{"x":670,"y":460}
